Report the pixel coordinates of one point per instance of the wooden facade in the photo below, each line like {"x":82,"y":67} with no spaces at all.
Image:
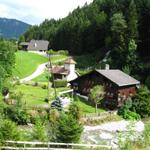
{"x":114,"y":95}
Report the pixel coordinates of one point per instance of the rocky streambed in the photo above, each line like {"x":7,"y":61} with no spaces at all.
{"x":112,"y":133}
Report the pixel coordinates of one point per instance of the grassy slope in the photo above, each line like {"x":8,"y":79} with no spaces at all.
{"x":85,"y":107}
{"x":35,"y":95}
{"x":56,"y":60}
{"x":26,"y":63}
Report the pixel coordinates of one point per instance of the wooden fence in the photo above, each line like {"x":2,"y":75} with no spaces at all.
{"x":100,"y":114}
{"x":24,"y":145}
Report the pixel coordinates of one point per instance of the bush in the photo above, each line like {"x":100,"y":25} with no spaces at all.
{"x":68,"y":129}
{"x":126,"y":113}
{"x":39,"y":132}
{"x":9,"y":131}
{"x":44,"y":86}
{"x":60,"y":83}
{"x":141,"y":102}
{"x":147,"y":82}
{"x":17,"y":112}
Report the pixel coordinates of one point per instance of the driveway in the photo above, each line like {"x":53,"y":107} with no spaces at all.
{"x":40,"y":69}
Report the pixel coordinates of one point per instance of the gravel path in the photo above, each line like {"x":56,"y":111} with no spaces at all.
{"x":40,"y":69}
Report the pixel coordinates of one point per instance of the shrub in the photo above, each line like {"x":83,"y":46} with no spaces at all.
{"x":147,"y":82}
{"x":39,"y":132}
{"x":44,"y":86}
{"x":60,"y":83}
{"x":17,"y":112}
{"x":68,"y":129}
{"x":36,"y":84}
{"x":74,"y":110}
{"x":141,"y":102}
{"x":126,"y":113}
{"x":5,"y":91}
{"x":57,"y":104}
{"x":9,"y":131}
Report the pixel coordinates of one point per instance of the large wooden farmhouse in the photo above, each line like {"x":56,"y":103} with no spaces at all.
{"x":118,"y":85}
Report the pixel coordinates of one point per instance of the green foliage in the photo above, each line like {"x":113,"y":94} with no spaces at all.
{"x":9,"y":131}
{"x":68,"y":129}
{"x":60,"y":83}
{"x":147,"y":82}
{"x":17,"y":112}
{"x":27,"y":63}
{"x":141,"y":102}
{"x":126,"y":113}
{"x":39,"y":132}
{"x":57,"y":104}
{"x":75,"y":111}
{"x":147,"y":133}
{"x":59,"y":52}
{"x":85,"y":106}
{"x":97,"y":95}
{"x":7,"y":60}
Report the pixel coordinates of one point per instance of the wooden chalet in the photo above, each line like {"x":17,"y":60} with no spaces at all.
{"x":118,"y":85}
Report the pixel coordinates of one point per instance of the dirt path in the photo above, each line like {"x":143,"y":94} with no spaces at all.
{"x":40,"y":69}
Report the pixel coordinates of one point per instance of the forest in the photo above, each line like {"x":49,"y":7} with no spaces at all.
{"x":120,"y":27}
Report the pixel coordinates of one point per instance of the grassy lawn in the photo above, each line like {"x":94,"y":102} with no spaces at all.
{"x":32,"y":95}
{"x":85,"y":107}
{"x":42,"y":78}
{"x":26,"y":63}
{"x":35,"y":95}
{"x":57,"y":60}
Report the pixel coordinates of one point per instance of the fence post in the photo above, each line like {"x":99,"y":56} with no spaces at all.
{"x":91,"y":148}
{"x":24,"y":146}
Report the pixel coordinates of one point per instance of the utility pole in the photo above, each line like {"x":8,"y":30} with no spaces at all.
{"x":50,"y":68}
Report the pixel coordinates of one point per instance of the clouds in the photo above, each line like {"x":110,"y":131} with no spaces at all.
{"x":35,"y":11}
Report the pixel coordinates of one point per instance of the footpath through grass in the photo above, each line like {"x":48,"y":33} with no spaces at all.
{"x":26,"y":63}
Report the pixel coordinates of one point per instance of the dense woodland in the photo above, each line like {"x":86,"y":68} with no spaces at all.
{"x":119,"y":26}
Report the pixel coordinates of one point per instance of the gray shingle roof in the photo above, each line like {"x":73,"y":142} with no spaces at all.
{"x":37,"y":45}
{"x":118,"y":77}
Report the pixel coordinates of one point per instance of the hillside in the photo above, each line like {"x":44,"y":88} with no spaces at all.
{"x":27,"y":63}
{"x":121,"y":27}
{"x":12,"y":28}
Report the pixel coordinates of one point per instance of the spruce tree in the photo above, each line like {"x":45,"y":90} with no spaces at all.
{"x":57,"y":104}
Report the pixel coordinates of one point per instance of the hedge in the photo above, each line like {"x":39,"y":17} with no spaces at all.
{"x":60,"y":83}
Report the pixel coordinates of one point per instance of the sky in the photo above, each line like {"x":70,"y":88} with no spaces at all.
{"x":36,"y":11}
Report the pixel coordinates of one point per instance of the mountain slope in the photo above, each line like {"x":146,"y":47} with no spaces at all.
{"x":12,"y":28}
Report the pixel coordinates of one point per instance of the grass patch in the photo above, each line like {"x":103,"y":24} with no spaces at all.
{"x":56,"y":60}
{"x":32,"y":95}
{"x":26,"y":63}
{"x":35,"y":95}
{"x":42,"y":78}
{"x":85,"y":106}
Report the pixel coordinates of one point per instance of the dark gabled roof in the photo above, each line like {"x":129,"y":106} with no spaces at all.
{"x":118,"y":77}
{"x":59,"y":70}
{"x":37,"y":45}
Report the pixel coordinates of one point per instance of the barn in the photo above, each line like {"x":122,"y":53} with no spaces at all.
{"x":118,"y":85}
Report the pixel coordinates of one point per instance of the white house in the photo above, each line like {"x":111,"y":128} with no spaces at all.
{"x":66,"y":72}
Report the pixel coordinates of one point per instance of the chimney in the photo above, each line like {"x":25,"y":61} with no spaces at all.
{"x":106,"y":66}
